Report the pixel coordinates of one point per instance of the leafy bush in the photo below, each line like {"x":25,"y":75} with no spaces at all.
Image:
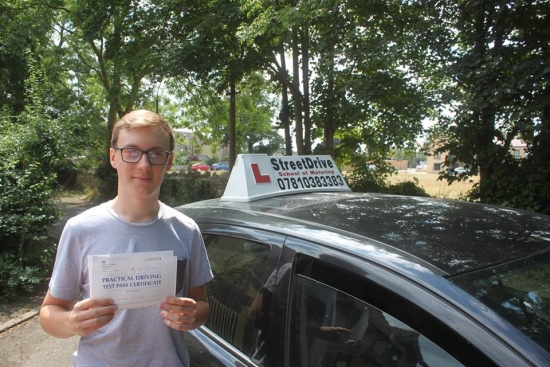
{"x":28,"y":173}
{"x":107,"y":176}
{"x":188,"y":187}
{"x":372,"y":178}
{"x":408,"y":188}
{"x":16,"y":277}
{"x":520,"y":184}
{"x":365,"y":179}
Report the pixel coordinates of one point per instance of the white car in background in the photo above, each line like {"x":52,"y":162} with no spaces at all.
{"x":459,"y":170}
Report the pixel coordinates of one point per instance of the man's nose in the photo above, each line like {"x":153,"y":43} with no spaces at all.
{"x":144,"y":161}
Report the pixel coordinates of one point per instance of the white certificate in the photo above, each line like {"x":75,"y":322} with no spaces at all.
{"x":133,"y":280}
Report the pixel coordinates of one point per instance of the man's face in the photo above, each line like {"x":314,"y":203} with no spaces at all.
{"x":140,"y":179}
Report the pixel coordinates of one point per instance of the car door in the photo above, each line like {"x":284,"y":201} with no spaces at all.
{"x":345,"y":311}
{"x":243,"y":261}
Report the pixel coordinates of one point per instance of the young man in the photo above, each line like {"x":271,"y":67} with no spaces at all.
{"x":134,"y":221}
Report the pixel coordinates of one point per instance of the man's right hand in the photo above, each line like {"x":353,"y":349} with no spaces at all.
{"x":91,"y":314}
{"x":64,"y":318}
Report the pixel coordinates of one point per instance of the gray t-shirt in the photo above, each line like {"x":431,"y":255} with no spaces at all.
{"x":136,"y":337}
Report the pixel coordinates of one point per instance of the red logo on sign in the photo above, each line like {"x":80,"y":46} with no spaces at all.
{"x":258,"y":175}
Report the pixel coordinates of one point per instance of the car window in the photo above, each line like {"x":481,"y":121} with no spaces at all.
{"x":519,"y":291}
{"x":239,"y":267}
{"x":332,"y":328}
{"x":380,"y":300}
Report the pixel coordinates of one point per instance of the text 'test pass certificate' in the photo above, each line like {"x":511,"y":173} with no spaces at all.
{"x":133,"y":280}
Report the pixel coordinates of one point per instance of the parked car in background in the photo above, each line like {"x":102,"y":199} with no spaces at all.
{"x":459,"y":170}
{"x":308,"y":273}
{"x":219,"y":166}
{"x":200,"y":167}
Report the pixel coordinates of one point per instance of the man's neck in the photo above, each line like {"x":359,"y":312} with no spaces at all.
{"x":136,"y":210}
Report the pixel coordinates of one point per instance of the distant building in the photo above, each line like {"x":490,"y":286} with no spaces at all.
{"x":398,"y":164}
{"x":192,"y":146}
{"x":435,"y":162}
{"x":518,"y":148}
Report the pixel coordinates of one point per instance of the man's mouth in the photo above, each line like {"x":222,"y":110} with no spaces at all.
{"x":142,"y":178}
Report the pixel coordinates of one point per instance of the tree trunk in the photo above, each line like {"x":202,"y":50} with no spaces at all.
{"x":299,"y":131}
{"x":485,"y":116}
{"x":285,"y":115}
{"x":232,"y":124}
{"x":113,"y":93}
{"x":329,"y":122}
{"x":305,"y":87}
{"x":541,"y":141}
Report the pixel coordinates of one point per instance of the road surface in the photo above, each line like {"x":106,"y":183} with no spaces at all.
{"x":27,"y":345}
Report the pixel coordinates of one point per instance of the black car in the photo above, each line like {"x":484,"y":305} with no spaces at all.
{"x":321,"y":276}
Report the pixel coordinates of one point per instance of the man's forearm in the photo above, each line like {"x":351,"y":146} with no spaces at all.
{"x":54,"y":320}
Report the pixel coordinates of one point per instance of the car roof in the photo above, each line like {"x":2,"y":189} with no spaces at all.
{"x":450,"y":237}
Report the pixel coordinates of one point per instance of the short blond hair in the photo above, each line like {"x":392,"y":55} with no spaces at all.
{"x":142,"y":118}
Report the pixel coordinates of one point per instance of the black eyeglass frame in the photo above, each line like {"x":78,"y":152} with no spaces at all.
{"x":146,"y":152}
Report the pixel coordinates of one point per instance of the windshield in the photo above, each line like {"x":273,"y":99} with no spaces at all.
{"x":519,"y":291}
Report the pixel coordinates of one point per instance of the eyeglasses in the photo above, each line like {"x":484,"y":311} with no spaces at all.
{"x":133,"y":155}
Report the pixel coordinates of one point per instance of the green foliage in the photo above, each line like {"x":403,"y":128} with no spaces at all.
{"x":207,"y":114}
{"x":520,"y":184}
{"x":372,"y":178}
{"x":108,"y":179}
{"x":496,"y":90}
{"x":236,"y":271}
{"x":364,"y":179}
{"x":187,"y":187}
{"x":17,"y":277}
{"x":23,"y":36}
{"x":408,"y":188}
{"x":28,"y":175}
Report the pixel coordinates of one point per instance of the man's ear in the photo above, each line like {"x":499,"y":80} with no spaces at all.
{"x":112,"y":156}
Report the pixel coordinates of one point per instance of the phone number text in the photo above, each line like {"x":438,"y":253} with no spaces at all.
{"x":309,"y":182}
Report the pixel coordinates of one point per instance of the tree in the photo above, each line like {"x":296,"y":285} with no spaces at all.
{"x":498,"y":89}
{"x":206,"y":112}
{"x":112,"y":56}
{"x":32,"y":147}
{"x":273,"y":26}
{"x":269,"y":142}
{"x":24,"y":30}
{"x":360,"y":79}
{"x":212,"y":53}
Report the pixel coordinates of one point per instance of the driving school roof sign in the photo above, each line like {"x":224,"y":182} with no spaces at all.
{"x":258,"y":176}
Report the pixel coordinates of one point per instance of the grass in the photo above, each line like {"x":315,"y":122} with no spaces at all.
{"x":435,"y":188}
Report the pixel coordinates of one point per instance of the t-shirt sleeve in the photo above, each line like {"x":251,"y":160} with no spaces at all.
{"x":66,"y":279}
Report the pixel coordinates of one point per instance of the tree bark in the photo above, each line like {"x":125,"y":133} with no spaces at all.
{"x":305,"y":88}
{"x":285,"y":110}
{"x":299,"y":131}
{"x":232,"y":125}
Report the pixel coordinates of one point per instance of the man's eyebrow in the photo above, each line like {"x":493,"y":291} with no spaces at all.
{"x":134,"y":146}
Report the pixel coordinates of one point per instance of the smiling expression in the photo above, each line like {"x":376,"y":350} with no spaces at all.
{"x":140,"y":179}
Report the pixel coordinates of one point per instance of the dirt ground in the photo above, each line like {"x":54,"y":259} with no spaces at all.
{"x":435,"y":188}
{"x":23,"y":304}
